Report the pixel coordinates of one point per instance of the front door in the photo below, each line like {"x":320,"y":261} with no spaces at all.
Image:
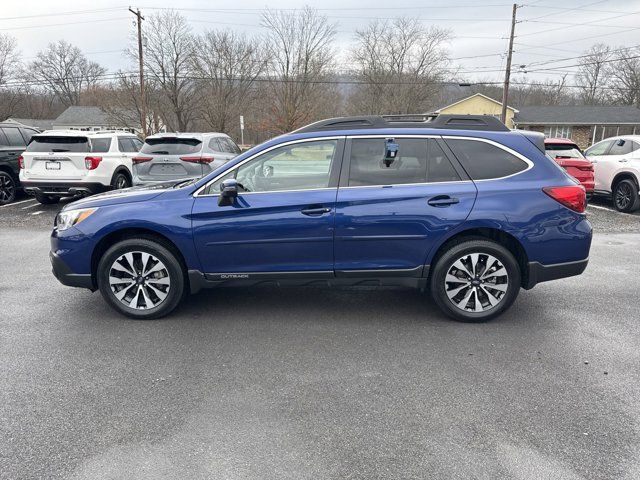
{"x":283,"y":218}
{"x":390,"y":213}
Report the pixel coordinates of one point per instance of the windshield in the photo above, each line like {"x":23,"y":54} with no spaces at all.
{"x":58,"y":144}
{"x":563,"y":151}
{"x":171,"y":146}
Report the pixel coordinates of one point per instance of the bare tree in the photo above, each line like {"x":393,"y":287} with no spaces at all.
{"x":300,"y":48}
{"x":624,"y":75}
{"x":65,"y":72}
{"x":168,"y":59}
{"x":401,"y":63}
{"x":9,"y":68}
{"x":227,"y":66}
{"x":592,"y":74}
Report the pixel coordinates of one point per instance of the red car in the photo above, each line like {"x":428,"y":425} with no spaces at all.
{"x":569,"y":156}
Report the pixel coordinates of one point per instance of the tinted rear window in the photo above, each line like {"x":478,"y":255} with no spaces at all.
{"x":483,"y":160}
{"x":58,"y":144}
{"x":171,"y":146}
{"x":566,"y":151}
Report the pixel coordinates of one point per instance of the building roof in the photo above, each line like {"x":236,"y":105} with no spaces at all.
{"x":79,"y":115}
{"x":578,"y":115}
{"x":473,"y":96}
{"x":39,"y":123}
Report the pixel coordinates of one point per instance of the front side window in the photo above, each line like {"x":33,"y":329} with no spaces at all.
{"x":171,"y":146}
{"x":598,"y":148}
{"x":621,"y":147}
{"x":300,"y":166}
{"x":483,"y":161}
{"x":418,"y":160}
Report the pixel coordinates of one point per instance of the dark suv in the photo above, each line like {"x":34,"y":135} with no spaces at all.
{"x":458,"y":204}
{"x":13,"y":140}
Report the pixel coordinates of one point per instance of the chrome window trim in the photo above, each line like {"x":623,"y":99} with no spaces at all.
{"x":273,"y":147}
{"x":529,"y":163}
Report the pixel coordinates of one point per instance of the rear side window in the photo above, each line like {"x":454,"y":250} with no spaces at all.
{"x":171,"y":146}
{"x":27,"y":133}
{"x":100,"y":145}
{"x":418,"y":161}
{"x":215,"y":145}
{"x":14,"y":137}
{"x":3,"y":139}
{"x":483,"y":161}
{"x":127,"y":145}
{"x":50,"y":143}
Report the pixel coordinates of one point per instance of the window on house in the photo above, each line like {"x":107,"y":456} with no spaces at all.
{"x":558,"y":131}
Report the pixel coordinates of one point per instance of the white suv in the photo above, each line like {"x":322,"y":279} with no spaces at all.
{"x":616,"y":163}
{"x":71,"y":163}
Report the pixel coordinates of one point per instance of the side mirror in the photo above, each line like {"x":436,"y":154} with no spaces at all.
{"x":228,"y":192}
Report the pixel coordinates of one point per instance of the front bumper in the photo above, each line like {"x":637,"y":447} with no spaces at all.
{"x":63,"y":189}
{"x":65,"y":276}
{"x":544,"y":273}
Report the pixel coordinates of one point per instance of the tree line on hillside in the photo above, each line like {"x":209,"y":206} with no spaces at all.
{"x":290,"y":75}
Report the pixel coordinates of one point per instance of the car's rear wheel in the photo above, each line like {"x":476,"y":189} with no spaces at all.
{"x":120,"y":180}
{"x":625,"y":196}
{"x":7,"y":188}
{"x":47,"y":199}
{"x":475,"y":280}
{"x":141,"y":278}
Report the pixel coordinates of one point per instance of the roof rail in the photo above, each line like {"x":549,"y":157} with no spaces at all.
{"x":420,"y":120}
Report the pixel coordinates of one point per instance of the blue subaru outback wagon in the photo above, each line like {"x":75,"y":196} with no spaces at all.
{"x":458,"y":204}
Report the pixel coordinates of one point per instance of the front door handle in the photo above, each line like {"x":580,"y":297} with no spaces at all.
{"x":442,"y":201}
{"x":315,"y":211}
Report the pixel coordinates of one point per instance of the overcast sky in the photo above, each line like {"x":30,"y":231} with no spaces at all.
{"x":550,"y":29}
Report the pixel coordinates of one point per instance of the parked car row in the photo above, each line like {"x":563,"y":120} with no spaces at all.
{"x":55,"y":164}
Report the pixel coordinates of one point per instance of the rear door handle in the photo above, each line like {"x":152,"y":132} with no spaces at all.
{"x":315,"y":211}
{"x":623,"y":160}
{"x":442,"y":201}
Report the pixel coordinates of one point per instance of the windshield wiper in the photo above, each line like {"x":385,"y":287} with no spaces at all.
{"x":161,"y":152}
{"x":58,"y":150}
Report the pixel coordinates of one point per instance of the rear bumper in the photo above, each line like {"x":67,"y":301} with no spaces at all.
{"x":544,"y":273}
{"x":66,"y":277}
{"x":63,"y":189}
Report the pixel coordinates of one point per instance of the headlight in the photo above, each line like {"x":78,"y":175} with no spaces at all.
{"x":69,"y":218}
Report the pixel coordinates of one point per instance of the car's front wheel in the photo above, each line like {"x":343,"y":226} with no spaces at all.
{"x":475,"y":280}
{"x":7,"y":188}
{"x":625,"y":196}
{"x":141,"y":278}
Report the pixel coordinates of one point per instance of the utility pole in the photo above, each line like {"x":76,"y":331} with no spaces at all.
{"x":143,"y":99}
{"x":507,"y":73}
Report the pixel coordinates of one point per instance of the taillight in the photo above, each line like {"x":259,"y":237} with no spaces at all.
{"x":202,"y":159}
{"x":92,"y":162}
{"x":586,"y":168}
{"x":573,"y":197}
{"x":141,"y":159}
{"x":21,"y":162}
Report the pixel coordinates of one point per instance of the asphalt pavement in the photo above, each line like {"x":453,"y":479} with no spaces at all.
{"x":318,"y":383}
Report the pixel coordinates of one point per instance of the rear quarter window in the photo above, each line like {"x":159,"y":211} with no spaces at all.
{"x":484,"y":161}
{"x":171,"y":146}
{"x":51,"y":143}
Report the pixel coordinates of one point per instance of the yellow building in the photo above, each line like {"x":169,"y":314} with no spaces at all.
{"x":479,"y":104}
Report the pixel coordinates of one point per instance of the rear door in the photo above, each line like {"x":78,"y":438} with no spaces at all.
{"x":390,"y":213}
{"x":57,"y":157}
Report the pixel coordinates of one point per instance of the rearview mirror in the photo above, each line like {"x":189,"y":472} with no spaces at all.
{"x":228,"y":192}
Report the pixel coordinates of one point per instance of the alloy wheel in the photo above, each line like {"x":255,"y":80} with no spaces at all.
{"x":476,"y":282}
{"x":7,"y":188}
{"x":623,"y":196}
{"x":139,"y":280}
{"x":121,"y":182}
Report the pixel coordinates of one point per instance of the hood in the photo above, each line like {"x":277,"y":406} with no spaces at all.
{"x":127,"y":195}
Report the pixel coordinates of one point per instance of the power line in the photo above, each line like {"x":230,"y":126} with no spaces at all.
{"x":64,"y":24}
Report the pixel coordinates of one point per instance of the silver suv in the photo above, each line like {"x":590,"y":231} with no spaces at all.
{"x":177,"y":156}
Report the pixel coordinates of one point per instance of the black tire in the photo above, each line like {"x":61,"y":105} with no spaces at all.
{"x":47,"y":199}
{"x":173,"y":270}
{"x":8,"y":187}
{"x":458,"y":250}
{"x":120,"y":180}
{"x":625,"y":196}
